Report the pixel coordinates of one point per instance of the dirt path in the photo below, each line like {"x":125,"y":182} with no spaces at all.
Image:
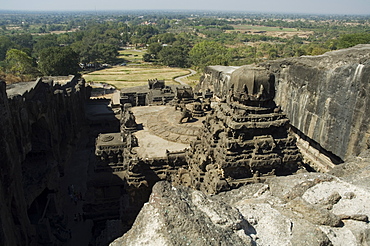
{"x":179,"y":79}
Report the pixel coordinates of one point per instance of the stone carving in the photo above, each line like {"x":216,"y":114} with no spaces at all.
{"x":155,"y":84}
{"x":186,"y":114}
{"x":128,"y":121}
{"x":197,"y":110}
{"x":206,"y":104}
{"x":184,"y":95}
{"x":335,"y":81}
{"x":243,"y":139}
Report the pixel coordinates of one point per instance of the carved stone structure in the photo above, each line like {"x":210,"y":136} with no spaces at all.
{"x":186,"y":114}
{"x":325,"y":98}
{"x":184,"y":95}
{"x":197,"y":109}
{"x":156,"y":93}
{"x":243,"y":139}
{"x":128,"y":122}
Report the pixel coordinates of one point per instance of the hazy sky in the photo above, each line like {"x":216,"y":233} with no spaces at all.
{"x":281,"y":6}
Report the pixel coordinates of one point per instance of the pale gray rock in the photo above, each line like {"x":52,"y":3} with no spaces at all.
{"x":291,"y":210}
{"x":181,"y":216}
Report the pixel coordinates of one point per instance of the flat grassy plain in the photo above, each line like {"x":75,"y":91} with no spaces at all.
{"x":127,"y":76}
{"x":262,"y":28}
{"x":131,"y":55}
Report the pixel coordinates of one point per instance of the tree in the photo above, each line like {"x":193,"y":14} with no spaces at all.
{"x":23,"y":41}
{"x":18,"y":62}
{"x":106,"y":53}
{"x":154,"y":49}
{"x":208,"y":53}
{"x":166,"y":38}
{"x":45,"y":41}
{"x":174,"y":56}
{"x":58,"y":61}
{"x":349,"y":40}
{"x":5,"y":45}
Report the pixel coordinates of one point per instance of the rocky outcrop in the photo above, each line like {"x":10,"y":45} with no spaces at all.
{"x":15,"y":226}
{"x":181,"y":216}
{"x":301,"y":209}
{"x":39,"y":121}
{"x":325,"y":97}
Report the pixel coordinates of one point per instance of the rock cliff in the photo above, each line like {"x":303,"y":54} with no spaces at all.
{"x":39,"y":121}
{"x":327,"y":97}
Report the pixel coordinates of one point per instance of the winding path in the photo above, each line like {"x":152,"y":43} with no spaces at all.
{"x":179,"y":79}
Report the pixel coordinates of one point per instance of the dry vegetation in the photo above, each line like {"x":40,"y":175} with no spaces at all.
{"x":271,"y":31}
{"x":10,"y":78}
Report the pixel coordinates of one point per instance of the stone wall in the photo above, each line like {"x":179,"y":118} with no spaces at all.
{"x":38,"y":123}
{"x":325,"y":97}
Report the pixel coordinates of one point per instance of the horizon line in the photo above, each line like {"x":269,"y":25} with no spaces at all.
{"x":179,"y":10}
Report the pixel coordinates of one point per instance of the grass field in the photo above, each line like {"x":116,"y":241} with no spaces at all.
{"x":125,"y":76}
{"x":131,"y":55}
{"x":262,"y":28}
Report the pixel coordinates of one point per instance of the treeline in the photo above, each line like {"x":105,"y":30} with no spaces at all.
{"x":230,"y":49}
{"x":171,"y":39}
{"x":62,"y":54}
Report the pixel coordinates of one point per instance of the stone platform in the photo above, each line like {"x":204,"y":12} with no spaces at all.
{"x":159,"y":130}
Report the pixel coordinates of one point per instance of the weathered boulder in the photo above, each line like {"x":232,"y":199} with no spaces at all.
{"x":182,"y":216}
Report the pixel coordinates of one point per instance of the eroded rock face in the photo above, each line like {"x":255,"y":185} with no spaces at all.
{"x":327,"y":97}
{"x":38,"y":123}
{"x":301,"y":209}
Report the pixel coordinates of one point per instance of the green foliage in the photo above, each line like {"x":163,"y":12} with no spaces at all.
{"x":165,"y":38}
{"x":154,"y":49}
{"x":174,"y":56}
{"x":98,"y":43}
{"x":231,"y":38}
{"x":5,"y":45}
{"x":208,"y":53}
{"x":349,"y":40}
{"x":58,"y":61}
{"x":105,"y":52}
{"x":45,"y":41}
{"x":18,"y":62}
{"x":23,"y":41}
